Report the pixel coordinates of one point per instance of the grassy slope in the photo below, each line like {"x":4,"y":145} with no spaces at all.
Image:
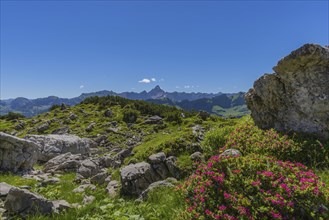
{"x":173,"y":138}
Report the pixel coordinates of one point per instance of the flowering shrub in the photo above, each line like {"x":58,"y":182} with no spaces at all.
{"x":255,"y":187}
{"x":248,"y":138}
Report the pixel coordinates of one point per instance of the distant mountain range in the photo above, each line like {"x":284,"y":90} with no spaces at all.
{"x":219,"y":103}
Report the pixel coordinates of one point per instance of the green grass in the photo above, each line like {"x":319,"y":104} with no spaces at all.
{"x":236,"y":111}
{"x":16,"y":180}
{"x":62,"y":190}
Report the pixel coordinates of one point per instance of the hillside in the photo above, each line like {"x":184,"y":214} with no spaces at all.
{"x":132,"y":130}
{"x":223,"y":104}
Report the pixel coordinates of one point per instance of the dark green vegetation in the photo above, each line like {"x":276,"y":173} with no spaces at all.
{"x":122,"y":121}
{"x":220,"y":104}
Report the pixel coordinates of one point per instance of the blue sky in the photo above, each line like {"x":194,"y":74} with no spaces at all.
{"x":65,"y":48}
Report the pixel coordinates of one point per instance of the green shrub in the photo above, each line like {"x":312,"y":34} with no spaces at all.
{"x":216,"y":139}
{"x":130,"y":115}
{"x":255,"y":187}
{"x":12,"y":116}
{"x":174,"y":117}
{"x":248,"y":138}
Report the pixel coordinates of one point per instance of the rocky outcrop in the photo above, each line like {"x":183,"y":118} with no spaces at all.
{"x":135,"y":178}
{"x":296,"y":96}
{"x":53,"y":145}
{"x":16,"y":154}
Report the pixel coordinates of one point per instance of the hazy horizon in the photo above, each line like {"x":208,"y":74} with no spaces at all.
{"x":63,"y":49}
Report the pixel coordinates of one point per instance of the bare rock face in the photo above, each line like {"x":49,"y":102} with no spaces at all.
{"x":296,"y":96}
{"x":16,"y":154}
{"x":53,"y":145}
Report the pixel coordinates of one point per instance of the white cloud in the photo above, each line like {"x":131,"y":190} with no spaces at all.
{"x":82,"y":86}
{"x":144,"y":81}
{"x":177,"y":87}
{"x":161,"y":80}
{"x":153,"y":79}
{"x":186,"y":87}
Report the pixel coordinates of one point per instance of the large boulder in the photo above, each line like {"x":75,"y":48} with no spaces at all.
{"x":23,"y":202}
{"x":296,"y":96}
{"x":63,"y":163}
{"x":53,"y":145}
{"x":16,"y":154}
{"x":135,"y":178}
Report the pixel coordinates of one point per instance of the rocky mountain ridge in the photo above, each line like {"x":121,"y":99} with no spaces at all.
{"x":188,"y":101}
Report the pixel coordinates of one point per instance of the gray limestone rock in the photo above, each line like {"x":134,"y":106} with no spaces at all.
{"x":296,"y":96}
{"x":53,"y":145}
{"x":64,"y":163}
{"x":16,"y":154}
{"x":23,"y":202}
{"x":113,"y":188}
{"x":230,"y":153}
{"x":135,"y":178}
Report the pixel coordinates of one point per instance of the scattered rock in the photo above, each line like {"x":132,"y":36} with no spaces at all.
{"x":99,"y":178}
{"x":20,"y":126}
{"x":88,"y":199}
{"x":4,"y":190}
{"x":230,"y":153}
{"x":198,"y":131}
{"x":108,"y":113}
{"x":163,"y":183}
{"x":110,"y":161}
{"x":60,"y":205}
{"x":53,"y":145}
{"x":16,"y":154}
{"x":157,"y":163}
{"x":296,"y":96}
{"x":43,"y":127}
{"x":172,"y":167}
{"x":197,"y":156}
{"x":113,"y":188}
{"x":73,"y":116}
{"x":63,"y":130}
{"x":153,"y":120}
{"x":90,"y":127}
{"x":88,"y":168}
{"x":64,"y":163}
{"x":157,"y":158}
{"x":113,"y":130}
{"x":83,"y":187}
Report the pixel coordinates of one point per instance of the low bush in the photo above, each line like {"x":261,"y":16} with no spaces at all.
{"x":248,"y":138}
{"x":130,"y":115}
{"x":12,"y":116}
{"x":255,"y":187}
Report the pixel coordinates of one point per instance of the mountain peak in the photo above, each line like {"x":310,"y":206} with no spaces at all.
{"x":157,"y":89}
{"x":156,"y":93}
